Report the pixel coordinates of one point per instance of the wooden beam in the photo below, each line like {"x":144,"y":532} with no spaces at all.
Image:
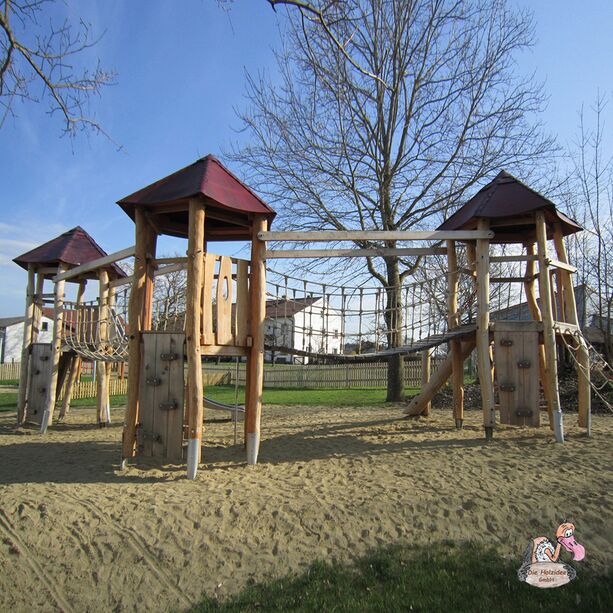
{"x":121,"y":281}
{"x":102,"y":382}
{"x":56,"y":350}
{"x":224,"y":350}
{"x":361,"y":235}
{"x":176,"y":260}
{"x":170,"y":268}
{"x":562,"y":265}
{"x":551,"y":358}
{"x":255,"y":364}
{"x":193,"y":305}
{"x":95,"y":264}
{"x":535,"y":313}
{"x":583,"y":356}
{"x":145,"y":236}
{"x":455,"y":345}
{"x":75,"y":364}
{"x":351,"y":253}
{"x":483,"y":336}
{"x":507,"y":279}
{"x":514,"y":258}
{"x":27,"y":343}
{"x":426,"y":363}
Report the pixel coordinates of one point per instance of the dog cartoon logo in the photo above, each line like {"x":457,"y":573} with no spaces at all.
{"x":541,"y":567}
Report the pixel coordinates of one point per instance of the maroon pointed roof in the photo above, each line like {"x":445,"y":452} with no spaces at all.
{"x":230,"y":204}
{"x":74,"y":247}
{"x":508,"y":203}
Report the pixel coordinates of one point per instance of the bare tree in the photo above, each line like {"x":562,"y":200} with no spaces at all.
{"x":591,"y":200}
{"x":334,"y":148}
{"x":38,"y":61}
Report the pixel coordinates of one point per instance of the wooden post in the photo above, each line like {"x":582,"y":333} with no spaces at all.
{"x":255,"y":365}
{"x":583,"y":356}
{"x":56,"y":350}
{"x":483,"y":332}
{"x":193,"y":306}
{"x":549,"y":339}
{"x":535,"y":313}
{"x":75,"y":365}
{"x":455,"y":346}
{"x":426,"y":362}
{"x":139,"y":318}
{"x":102,"y":381}
{"x":25,"y":351}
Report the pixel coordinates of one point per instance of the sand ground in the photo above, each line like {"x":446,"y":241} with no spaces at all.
{"x":78,"y":535}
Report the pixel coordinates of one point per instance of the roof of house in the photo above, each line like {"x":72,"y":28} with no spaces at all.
{"x":73,"y":248}
{"x":506,"y":201}
{"x":287,"y":308}
{"x":230,"y":204}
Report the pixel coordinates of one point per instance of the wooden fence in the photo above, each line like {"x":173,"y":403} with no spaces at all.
{"x":338,"y":376}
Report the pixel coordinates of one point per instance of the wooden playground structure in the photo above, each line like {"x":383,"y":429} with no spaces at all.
{"x":224,"y":309}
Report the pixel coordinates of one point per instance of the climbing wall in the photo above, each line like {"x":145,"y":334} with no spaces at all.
{"x":517,"y":371}
{"x":162,"y":387}
{"x":40,"y":376}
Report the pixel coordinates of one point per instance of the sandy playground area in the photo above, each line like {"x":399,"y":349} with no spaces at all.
{"x":78,"y":535}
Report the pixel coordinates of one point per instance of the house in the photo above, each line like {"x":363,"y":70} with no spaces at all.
{"x":11,"y":336}
{"x":307,"y":324}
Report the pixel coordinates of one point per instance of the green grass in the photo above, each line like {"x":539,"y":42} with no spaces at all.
{"x":9,"y":382}
{"x":308,"y":397}
{"x":445,"y":577}
{"x":282,"y":396}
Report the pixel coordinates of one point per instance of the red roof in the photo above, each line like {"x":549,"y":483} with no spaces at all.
{"x":74,"y":247}
{"x":507,"y":202}
{"x":207,"y":178}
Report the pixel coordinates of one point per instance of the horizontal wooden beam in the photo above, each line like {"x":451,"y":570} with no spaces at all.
{"x":164,"y":270}
{"x":351,"y":253}
{"x":513,"y":258}
{"x":366,"y":235}
{"x":512,"y":279}
{"x":224,"y":350}
{"x":121,"y":281}
{"x":95,"y":264}
{"x":175,"y":260}
{"x":562,"y":265}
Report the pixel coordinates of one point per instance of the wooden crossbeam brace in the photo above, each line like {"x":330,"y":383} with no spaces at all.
{"x":366,"y":235}
{"x":351,"y":253}
{"x":95,"y":264}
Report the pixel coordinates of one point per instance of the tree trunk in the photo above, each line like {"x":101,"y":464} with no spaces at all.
{"x":393,"y":324}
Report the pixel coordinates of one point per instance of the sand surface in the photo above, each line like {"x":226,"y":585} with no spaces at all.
{"x":78,"y":535}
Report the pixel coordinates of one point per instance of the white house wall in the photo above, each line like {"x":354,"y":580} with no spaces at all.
{"x":13,"y":340}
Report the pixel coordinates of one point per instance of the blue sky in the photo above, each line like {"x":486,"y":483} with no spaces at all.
{"x":181,"y":69}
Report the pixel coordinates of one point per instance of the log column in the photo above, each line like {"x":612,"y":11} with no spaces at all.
{"x":27,"y":344}
{"x":426,"y":363}
{"x":102,"y":380}
{"x":483,"y":332}
{"x":570,"y":309}
{"x":255,"y":365}
{"x":535,"y":313}
{"x":56,"y":350}
{"x":139,"y":318}
{"x":453,"y":321}
{"x":75,"y":364}
{"x":193,"y":306}
{"x":549,"y":339}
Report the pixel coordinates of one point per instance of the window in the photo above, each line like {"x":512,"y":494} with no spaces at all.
{"x":44,"y":326}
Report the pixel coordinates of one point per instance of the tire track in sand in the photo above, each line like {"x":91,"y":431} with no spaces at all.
{"x":137,"y":544}
{"x":26,"y":555}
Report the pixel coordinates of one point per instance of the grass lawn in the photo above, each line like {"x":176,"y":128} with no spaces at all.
{"x":226,"y":394}
{"x":444,"y":577}
{"x":312,"y":397}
